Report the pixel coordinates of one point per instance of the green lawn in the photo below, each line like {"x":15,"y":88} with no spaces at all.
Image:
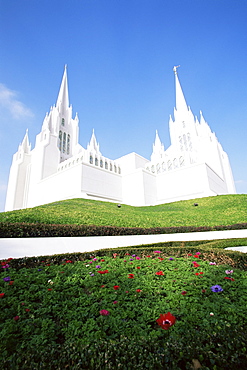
{"x":211,"y":211}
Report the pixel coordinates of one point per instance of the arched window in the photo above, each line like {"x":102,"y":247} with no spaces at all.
{"x":60,"y":141}
{"x":115,"y":168}
{"x":91,"y":159}
{"x":189,"y":142}
{"x":169,"y":165}
{"x":119,"y":170}
{"x":158,"y":168}
{"x":181,"y":161}
{"x":181,"y":143}
{"x":153,"y":169}
{"x":63,"y":122}
{"x":96,"y":161}
{"x":68,"y":144}
{"x":175,"y":163}
{"x":64,"y":142}
{"x":110,"y":167}
{"x":106,"y":165}
{"x":101,"y":163}
{"x":185,"y":142}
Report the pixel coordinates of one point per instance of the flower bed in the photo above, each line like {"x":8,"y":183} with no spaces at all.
{"x":126,"y":311}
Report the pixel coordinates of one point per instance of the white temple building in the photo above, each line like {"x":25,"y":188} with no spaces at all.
{"x":58,"y":168}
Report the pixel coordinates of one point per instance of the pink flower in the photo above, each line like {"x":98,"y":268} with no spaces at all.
{"x":157,"y":251}
{"x":229,"y":271}
{"x":138,"y":258}
{"x":104,"y":312}
{"x":16,"y":318}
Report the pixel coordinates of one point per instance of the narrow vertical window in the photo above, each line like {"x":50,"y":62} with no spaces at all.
{"x":64,"y":142}
{"x":91,"y":159}
{"x":106,"y":165}
{"x":63,"y":121}
{"x":68,"y":144}
{"x":60,"y":141}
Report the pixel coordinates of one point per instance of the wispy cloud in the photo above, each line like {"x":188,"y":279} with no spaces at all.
{"x":9,"y":101}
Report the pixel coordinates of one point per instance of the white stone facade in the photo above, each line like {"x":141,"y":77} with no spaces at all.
{"x":59,"y":168}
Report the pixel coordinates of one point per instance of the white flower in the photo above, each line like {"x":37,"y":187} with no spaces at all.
{"x":50,"y":282}
{"x":211,"y":314}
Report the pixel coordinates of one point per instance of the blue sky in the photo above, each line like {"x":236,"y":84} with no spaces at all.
{"x":120,"y":55}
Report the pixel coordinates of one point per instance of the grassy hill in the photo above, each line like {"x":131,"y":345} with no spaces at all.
{"x":211,"y":211}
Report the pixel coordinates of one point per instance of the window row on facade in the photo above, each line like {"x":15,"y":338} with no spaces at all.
{"x":104,"y":163}
{"x":166,"y":166}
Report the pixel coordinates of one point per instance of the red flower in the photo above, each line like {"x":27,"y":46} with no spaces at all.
{"x":27,"y":309}
{"x":159,"y":258}
{"x":148,"y":256}
{"x":195,"y":264}
{"x":198,"y":273}
{"x":102,"y":286}
{"x":69,"y":261}
{"x":190,"y":254}
{"x":16,"y":318}
{"x":203,"y":290}
{"x":2,"y":295}
{"x":159,"y":273}
{"x":116,"y":287}
{"x":196,"y":256}
{"x":49,"y":289}
{"x":166,"y":320}
{"x":184,"y":292}
{"x":228,"y":278}
{"x":131,"y":276}
{"x":103,"y":272}
{"x":138,"y":267}
{"x":138,"y":290}
{"x":127,"y":254}
{"x":11,"y":282}
{"x":102,"y":260}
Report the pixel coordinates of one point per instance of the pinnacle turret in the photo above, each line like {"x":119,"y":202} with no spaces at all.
{"x":63,"y":96}
{"x":181,"y":104}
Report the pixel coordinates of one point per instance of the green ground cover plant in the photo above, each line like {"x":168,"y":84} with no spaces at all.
{"x":210,"y":211}
{"x":129,"y":308}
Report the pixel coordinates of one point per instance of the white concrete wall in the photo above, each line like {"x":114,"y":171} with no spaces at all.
{"x":100,"y":183}
{"x":183,"y":183}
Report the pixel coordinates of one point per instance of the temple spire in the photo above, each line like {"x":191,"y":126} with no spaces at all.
{"x":181,"y":104}
{"x":63,"y":96}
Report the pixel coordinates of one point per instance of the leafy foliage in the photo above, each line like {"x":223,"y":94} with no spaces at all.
{"x":50,"y":314}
